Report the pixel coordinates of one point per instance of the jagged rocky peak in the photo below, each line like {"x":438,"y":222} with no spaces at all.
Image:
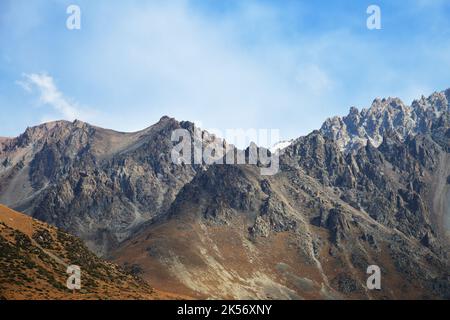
{"x":48,"y":131}
{"x":45,"y":128}
{"x":167,"y":121}
{"x":447,"y":95}
{"x":353,"y":131}
{"x":100,"y":184}
{"x":437,"y":102}
{"x":167,"y":124}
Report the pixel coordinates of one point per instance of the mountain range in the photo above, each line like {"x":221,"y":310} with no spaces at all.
{"x":370,"y":188}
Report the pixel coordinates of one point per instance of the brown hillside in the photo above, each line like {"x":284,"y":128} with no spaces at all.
{"x":34,"y":258}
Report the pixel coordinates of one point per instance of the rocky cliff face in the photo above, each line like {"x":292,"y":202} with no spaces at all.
{"x":310,"y":231}
{"x":371,"y":188}
{"x":96,"y":183}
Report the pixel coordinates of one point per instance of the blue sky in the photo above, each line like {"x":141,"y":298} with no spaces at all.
{"x":285,"y":65}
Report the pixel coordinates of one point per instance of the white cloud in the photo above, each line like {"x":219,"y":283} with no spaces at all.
{"x":51,"y":96}
{"x":314,"y":79}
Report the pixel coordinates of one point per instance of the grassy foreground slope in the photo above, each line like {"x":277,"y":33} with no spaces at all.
{"x":34,"y":257}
